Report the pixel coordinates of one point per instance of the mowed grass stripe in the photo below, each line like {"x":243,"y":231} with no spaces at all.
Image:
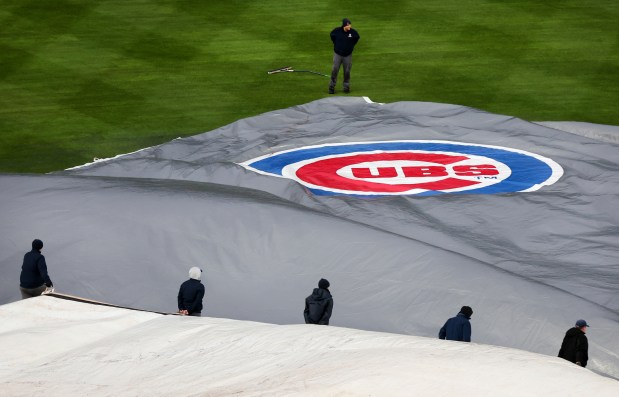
{"x":82,"y":79}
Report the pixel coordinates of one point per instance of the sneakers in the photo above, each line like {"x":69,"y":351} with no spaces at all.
{"x":346,"y":90}
{"x":331,"y":90}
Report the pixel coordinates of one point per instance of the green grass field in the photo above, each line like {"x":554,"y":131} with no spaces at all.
{"x":82,"y":79}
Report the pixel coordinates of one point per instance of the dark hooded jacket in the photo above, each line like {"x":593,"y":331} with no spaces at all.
{"x":575,"y":347}
{"x":344,"y":42}
{"x":190,"y":296}
{"x":34,"y":271}
{"x":318,"y":307}
{"x":456,"y":328}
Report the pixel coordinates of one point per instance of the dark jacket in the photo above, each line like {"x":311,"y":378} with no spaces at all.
{"x":318,"y":307}
{"x":456,"y":328}
{"x":190,"y":296}
{"x":575,"y":347}
{"x":344,"y":42}
{"x":34,"y":271}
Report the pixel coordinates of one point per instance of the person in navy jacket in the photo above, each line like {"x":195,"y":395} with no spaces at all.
{"x":34,"y":279}
{"x":190,"y":294}
{"x":344,"y":39}
{"x":459,"y":327}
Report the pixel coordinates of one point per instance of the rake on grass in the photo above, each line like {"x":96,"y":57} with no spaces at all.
{"x":290,"y":69}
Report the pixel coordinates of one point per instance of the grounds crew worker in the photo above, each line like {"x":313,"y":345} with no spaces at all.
{"x":458,"y":327}
{"x":34,"y":279}
{"x":344,"y":39}
{"x":319,"y":305}
{"x":575,"y":347}
{"x":190,"y":294}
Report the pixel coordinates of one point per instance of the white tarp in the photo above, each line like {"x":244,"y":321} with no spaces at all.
{"x":100,"y":351}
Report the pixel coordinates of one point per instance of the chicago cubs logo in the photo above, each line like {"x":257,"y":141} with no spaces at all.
{"x":409,"y":167}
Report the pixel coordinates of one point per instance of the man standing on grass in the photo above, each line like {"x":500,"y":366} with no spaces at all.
{"x":344,"y":39}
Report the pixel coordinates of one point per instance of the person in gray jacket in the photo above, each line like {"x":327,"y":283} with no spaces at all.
{"x":319,"y":305}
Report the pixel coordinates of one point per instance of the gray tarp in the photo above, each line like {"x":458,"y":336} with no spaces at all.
{"x":126,"y":230}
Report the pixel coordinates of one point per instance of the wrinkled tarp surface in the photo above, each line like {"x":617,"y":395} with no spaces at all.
{"x":126,"y":230}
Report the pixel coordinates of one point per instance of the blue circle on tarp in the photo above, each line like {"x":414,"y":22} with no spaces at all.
{"x":527,"y":170}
